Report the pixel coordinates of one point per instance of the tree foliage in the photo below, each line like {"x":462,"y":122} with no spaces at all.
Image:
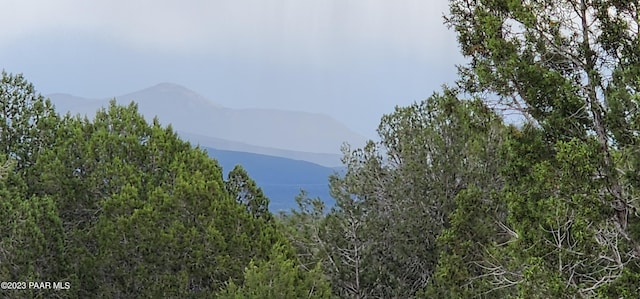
{"x":397,"y":196}
{"x":571,"y":69}
{"x":246,"y":192}
{"x":450,"y":202}
{"x":27,"y":120}
{"x":279,"y":277}
{"x":119,"y":207}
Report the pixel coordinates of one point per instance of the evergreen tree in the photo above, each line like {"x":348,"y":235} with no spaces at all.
{"x":571,"y":69}
{"x":31,"y":242}
{"x":137,"y":212}
{"x":27,"y":121}
{"x":397,"y":197}
{"x":245,"y":191}
{"x":279,"y":277}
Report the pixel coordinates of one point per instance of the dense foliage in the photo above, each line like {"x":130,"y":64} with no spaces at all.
{"x":120,"y":208}
{"x":520,"y":182}
{"x":526,"y":189}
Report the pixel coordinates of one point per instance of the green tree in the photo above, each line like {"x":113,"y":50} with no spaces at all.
{"x":26,"y":120}
{"x":119,"y":207}
{"x":467,"y":240}
{"x":32,"y":239}
{"x":246,"y":192}
{"x":144,"y":213}
{"x":305,"y":227}
{"x":279,"y":277}
{"x":571,"y":68}
{"x":398,"y":196}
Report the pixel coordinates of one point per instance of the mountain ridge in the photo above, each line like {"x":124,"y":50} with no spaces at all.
{"x":323,"y":159}
{"x":281,"y":179}
{"x":190,"y":113}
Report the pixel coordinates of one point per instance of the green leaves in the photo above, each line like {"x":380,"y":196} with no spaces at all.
{"x":570,"y":68}
{"x":449,"y":202}
{"x":245,"y":191}
{"x":397,"y":198}
{"x":279,"y":277}
{"x":27,"y":121}
{"x":120,"y":207}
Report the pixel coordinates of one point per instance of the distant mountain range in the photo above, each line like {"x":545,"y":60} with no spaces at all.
{"x":290,"y":134}
{"x":324,"y":159}
{"x":283,"y":151}
{"x":281,"y":179}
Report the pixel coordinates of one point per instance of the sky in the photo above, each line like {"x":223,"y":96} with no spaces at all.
{"x":354,"y":60}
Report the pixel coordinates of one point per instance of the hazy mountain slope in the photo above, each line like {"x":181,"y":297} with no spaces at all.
{"x":291,"y":130}
{"x":191,"y":113}
{"x":166,"y":94}
{"x":281,"y":179}
{"x":323,"y":159}
{"x":76,"y":105}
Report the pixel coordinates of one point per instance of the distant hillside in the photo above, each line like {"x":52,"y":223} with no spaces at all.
{"x":281,"y":179}
{"x":193,"y":114}
{"x":324,"y":159}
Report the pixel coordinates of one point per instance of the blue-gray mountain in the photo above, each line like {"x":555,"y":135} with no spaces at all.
{"x":281,"y":179}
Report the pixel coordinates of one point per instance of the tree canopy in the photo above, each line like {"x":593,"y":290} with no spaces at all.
{"x":119,"y":207}
{"x":521,"y":181}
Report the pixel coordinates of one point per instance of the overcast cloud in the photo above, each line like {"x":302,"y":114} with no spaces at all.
{"x":351,"y":52}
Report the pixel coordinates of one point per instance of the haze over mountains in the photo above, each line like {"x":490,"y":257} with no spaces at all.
{"x":297,"y":135}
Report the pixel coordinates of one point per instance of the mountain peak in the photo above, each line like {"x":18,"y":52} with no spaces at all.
{"x":166,"y":92}
{"x":169,"y":86}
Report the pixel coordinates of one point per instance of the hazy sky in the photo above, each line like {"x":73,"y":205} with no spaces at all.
{"x":352,"y":59}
